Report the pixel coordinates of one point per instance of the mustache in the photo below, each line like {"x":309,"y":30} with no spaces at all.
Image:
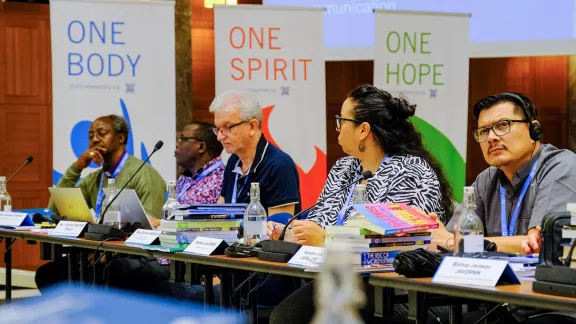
{"x":499,"y":146}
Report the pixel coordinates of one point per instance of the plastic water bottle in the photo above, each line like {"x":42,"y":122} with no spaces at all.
{"x":113,"y":213}
{"x":255,"y":218}
{"x":171,"y":203}
{"x":5,"y":200}
{"x":358,"y":197}
{"x":339,"y":295}
{"x":468,"y":228}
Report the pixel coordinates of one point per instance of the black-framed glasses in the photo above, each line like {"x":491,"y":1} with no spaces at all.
{"x":181,"y":139}
{"x":226,"y":130}
{"x":339,"y":120}
{"x":499,"y":128}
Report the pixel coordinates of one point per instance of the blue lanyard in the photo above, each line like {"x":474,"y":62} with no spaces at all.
{"x":509,"y":230}
{"x":100,"y":198}
{"x":347,"y":205}
{"x":198,"y":178}
{"x":235,"y":193}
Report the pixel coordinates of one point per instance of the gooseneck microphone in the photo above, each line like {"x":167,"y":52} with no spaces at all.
{"x":158,"y":146}
{"x":28,"y":161}
{"x":365,"y":176}
{"x":280,"y":250}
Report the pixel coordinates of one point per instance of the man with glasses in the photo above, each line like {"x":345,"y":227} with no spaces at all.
{"x":527,"y":180}
{"x":238,"y":120}
{"x":198,"y":152}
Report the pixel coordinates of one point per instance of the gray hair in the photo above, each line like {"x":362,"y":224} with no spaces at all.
{"x":248,"y":105}
{"x":120,"y":126}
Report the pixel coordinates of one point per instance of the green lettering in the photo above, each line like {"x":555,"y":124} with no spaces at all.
{"x":422,"y":42}
{"x":397,"y":73}
{"x":413,"y":73}
{"x":410,"y":41}
{"x":397,"y":42}
{"x":424,"y":70}
{"x":435,"y":74}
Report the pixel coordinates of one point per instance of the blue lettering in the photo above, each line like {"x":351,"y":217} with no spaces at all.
{"x":78,"y":63}
{"x":94,"y":30}
{"x":133,"y":64}
{"x":82,"y":30}
{"x":114,"y":32}
{"x":89,"y":64}
{"x":110,"y":57}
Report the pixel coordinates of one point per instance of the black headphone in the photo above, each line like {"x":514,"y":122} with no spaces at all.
{"x":534,"y":129}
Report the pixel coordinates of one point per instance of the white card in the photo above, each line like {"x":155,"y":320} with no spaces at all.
{"x":469,"y":271}
{"x":69,"y":229}
{"x":12,"y":219}
{"x":203,"y":245}
{"x":308,"y":256}
{"x":142,"y":236}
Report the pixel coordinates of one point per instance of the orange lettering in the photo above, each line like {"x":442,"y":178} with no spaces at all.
{"x":251,"y":68}
{"x":271,"y":37}
{"x":232,"y":37}
{"x":237,"y":68}
{"x":305,"y":68}
{"x":276,"y":69}
{"x":259,"y":41}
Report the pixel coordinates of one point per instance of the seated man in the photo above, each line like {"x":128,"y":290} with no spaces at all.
{"x":198,"y":152}
{"x":107,"y":148}
{"x":529,"y":178}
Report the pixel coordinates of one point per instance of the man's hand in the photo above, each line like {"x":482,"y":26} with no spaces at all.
{"x":273,"y":230}
{"x":92,"y":154}
{"x":154,"y":222}
{"x":307,"y":232}
{"x":533,"y":241}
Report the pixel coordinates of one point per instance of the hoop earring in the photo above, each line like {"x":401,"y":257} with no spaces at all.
{"x":361,"y":147}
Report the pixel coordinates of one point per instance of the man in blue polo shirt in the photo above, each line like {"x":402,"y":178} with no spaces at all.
{"x":238,"y":119}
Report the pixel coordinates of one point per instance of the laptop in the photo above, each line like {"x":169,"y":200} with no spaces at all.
{"x":71,"y":204}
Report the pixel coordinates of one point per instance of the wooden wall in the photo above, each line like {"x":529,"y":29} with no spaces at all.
{"x":25,"y":111}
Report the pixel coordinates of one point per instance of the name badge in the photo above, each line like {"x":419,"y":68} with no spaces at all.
{"x":69,"y":229}
{"x":308,"y":256}
{"x":142,"y":236}
{"x":206,"y":246}
{"x":15,"y":219}
{"x":476,"y":272}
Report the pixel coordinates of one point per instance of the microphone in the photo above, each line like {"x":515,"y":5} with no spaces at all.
{"x":28,"y":161}
{"x":278,"y":250}
{"x":158,"y":146}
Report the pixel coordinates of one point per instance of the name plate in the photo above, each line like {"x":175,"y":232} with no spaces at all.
{"x":142,"y":236}
{"x":15,"y":219}
{"x":308,"y":256}
{"x":69,"y":228}
{"x":206,"y":246}
{"x":476,"y":272}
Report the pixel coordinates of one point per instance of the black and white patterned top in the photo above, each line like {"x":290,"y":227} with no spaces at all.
{"x":400,"y":179}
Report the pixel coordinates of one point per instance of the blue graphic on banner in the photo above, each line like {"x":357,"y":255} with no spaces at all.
{"x":79,"y":141}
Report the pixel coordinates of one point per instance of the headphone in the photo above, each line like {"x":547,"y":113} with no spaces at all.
{"x":534,"y":129}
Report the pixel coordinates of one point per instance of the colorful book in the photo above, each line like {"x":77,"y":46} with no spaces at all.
{"x":392,"y":218}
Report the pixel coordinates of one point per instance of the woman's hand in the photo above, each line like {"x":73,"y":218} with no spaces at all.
{"x":307,"y":232}
{"x":274,"y":230}
{"x":440,"y":235}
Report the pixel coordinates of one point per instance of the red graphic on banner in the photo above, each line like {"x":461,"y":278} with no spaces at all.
{"x":311,"y":183}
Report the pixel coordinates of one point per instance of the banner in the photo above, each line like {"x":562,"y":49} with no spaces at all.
{"x":278,"y":55}
{"x":113,"y":57}
{"x":424,"y":56}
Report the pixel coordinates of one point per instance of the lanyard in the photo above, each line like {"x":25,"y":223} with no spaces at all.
{"x":347,"y":203}
{"x":509,"y":230}
{"x":235,"y":193}
{"x":100,"y":198}
{"x":198,"y":178}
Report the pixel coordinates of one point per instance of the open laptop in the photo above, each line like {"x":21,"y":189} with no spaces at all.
{"x":71,"y":203}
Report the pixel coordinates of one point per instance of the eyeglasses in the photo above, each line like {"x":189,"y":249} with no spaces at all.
{"x":339,"y":120}
{"x":181,"y":139}
{"x":226,"y":130}
{"x":500,"y":128}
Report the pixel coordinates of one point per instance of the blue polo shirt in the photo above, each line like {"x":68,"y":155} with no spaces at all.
{"x":273,"y":169}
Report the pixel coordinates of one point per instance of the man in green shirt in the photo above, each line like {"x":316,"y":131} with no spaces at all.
{"x":107,"y":148}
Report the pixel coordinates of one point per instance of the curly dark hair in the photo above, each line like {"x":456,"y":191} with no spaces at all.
{"x":394,"y":132}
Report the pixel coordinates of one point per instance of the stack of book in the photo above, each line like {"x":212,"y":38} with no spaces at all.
{"x":214,"y":221}
{"x":383,"y":231}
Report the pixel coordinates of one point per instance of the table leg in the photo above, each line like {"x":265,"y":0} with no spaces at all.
{"x":72,"y":262}
{"x":208,"y":289}
{"x":83,"y":266}
{"x":417,"y":308}
{"x":383,"y":301}
{"x":8,"y":262}
{"x":225,"y":290}
{"x":455,"y":314}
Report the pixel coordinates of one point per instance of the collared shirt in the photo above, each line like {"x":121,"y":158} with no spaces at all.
{"x":553,"y":186}
{"x":273,"y":169}
{"x":401,"y":179}
{"x":205,"y":191}
{"x":109,"y":173}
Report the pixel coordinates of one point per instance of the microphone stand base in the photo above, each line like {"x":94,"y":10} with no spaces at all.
{"x":100,"y":232}
{"x":278,"y":251}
